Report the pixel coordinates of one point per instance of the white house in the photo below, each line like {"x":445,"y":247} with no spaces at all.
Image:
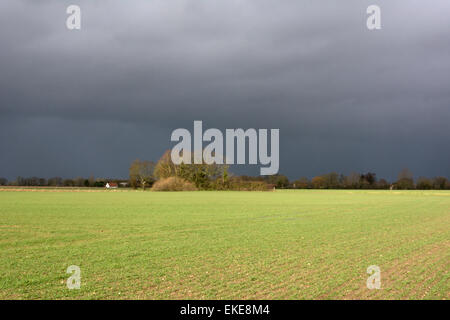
{"x":111,"y":185}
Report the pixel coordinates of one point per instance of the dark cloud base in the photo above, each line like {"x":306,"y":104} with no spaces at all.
{"x":75,"y":103}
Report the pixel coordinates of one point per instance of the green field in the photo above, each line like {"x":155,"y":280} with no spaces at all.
{"x":299,"y":244}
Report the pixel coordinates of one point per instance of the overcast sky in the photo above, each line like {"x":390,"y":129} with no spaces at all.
{"x":76,"y":103}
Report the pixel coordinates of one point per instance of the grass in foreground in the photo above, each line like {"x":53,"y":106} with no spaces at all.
{"x":225,"y":245}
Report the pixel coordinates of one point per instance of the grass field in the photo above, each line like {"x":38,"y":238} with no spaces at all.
{"x":307,"y":244}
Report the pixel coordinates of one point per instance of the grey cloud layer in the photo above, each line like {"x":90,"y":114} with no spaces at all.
{"x":344,"y":98}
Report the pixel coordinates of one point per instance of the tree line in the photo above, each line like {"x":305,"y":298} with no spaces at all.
{"x":369,"y":180}
{"x":59,"y":182}
{"x":217,"y":177}
{"x":160,"y":176}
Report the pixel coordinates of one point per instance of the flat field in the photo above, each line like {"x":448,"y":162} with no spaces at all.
{"x":299,"y":244}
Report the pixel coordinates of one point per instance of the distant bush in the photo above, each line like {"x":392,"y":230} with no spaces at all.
{"x":404,"y":184}
{"x":173,"y":184}
{"x":236,"y":184}
{"x":251,"y":186}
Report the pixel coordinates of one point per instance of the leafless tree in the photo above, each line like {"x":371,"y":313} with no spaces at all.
{"x":141,"y":172}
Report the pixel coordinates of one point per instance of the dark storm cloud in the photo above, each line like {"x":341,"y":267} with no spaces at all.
{"x":345,"y":98}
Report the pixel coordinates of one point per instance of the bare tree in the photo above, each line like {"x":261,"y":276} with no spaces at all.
{"x":405,"y":180}
{"x":424,"y":183}
{"x":302,"y":183}
{"x":405,"y":174}
{"x":440,"y":183}
{"x":199,"y":174}
{"x":165,"y":168}
{"x":353,"y":180}
{"x":141,"y":172}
